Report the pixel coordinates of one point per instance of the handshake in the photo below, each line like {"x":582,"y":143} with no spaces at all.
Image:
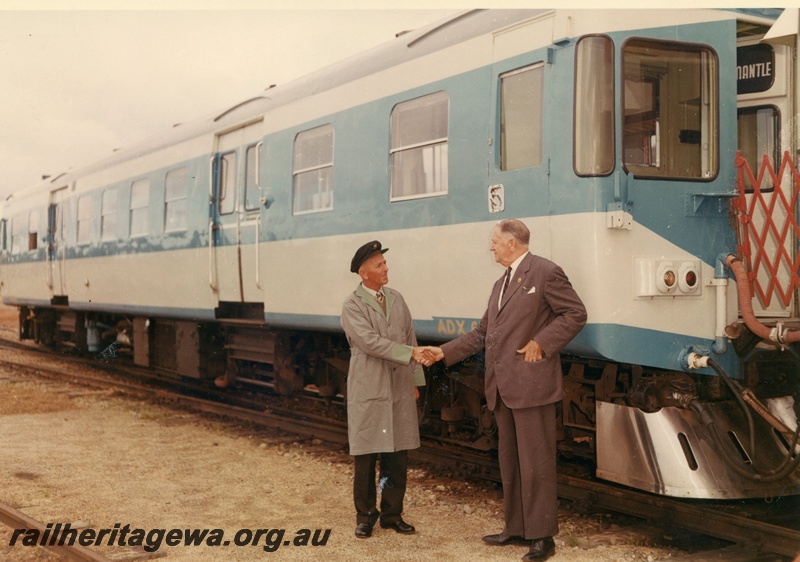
{"x":427,"y":355}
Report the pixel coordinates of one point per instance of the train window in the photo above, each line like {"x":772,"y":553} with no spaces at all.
{"x":759,"y":135}
{"x":140,"y":199}
{"x":251,"y":191}
{"x":227,"y":183}
{"x":108,"y":214}
{"x":670,"y":110}
{"x":521,"y":93}
{"x":313,"y":170}
{"x":175,"y":195}
{"x":594,"y":106}
{"x":419,"y":147}
{"x":19,"y":234}
{"x":84,"y":219}
{"x":33,"y":231}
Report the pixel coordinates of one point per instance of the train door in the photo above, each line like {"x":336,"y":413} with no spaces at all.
{"x":56,"y":248}
{"x":235,"y":216}
{"x":765,"y":127}
{"x":519,"y":180}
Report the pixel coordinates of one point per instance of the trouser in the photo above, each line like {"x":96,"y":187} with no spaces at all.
{"x":393,"y":467}
{"x":527,"y":455}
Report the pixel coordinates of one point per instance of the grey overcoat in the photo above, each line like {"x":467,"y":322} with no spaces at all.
{"x":381,"y":409}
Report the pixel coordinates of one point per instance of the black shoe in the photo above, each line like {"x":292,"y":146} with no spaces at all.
{"x":501,"y":539}
{"x":541,"y":549}
{"x":400,"y":526}
{"x":363,"y":530}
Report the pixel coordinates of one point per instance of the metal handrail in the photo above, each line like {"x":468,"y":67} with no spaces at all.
{"x":258,"y":268}
{"x":212,"y":265}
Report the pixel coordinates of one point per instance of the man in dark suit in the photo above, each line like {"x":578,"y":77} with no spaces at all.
{"x":533,"y":312}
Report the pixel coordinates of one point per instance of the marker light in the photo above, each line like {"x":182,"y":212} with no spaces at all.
{"x":666,"y":279}
{"x":688,"y":277}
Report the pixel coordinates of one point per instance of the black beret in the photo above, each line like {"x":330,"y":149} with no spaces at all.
{"x":364,"y":252}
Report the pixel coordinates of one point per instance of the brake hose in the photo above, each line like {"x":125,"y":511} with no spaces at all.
{"x":786,"y":467}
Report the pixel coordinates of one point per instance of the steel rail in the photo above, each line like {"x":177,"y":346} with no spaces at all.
{"x":666,"y":512}
{"x":286,"y":420}
{"x":18,"y":520}
{"x":660,"y":510}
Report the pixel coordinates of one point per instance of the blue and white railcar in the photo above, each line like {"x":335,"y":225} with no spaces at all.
{"x":613,"y":135}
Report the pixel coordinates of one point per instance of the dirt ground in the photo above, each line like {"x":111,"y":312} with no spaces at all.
{"x":93,"y":459}
{"x":8,"y":317}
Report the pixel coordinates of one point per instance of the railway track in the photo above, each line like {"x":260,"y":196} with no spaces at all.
{"x":18,"y":520}
{"x":758,"y":528}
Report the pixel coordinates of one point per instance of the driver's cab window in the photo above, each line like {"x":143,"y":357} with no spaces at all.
{"x":758,"y":134}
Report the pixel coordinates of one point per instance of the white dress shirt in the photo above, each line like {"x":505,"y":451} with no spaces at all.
{"x":514,"y":267}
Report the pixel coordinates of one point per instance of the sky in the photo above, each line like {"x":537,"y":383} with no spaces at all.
{"x":75,"y":84}
{"x":80,"y":78}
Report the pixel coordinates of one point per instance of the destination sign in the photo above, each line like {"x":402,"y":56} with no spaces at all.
{"x":755,"y":68}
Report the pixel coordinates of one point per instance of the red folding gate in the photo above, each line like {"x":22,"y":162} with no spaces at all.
{"x":767,"y":228}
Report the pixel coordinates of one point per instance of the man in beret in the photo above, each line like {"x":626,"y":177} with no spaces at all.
{"x":381,"y":409}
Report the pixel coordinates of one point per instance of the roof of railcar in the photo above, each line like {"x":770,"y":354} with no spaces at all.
{"x":407,"y":46}
{"x":768,"y":13}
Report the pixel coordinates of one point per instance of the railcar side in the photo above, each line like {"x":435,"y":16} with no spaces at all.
{"x":218,"y":250}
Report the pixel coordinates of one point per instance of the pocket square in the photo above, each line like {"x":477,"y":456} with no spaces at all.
{"x":531,"y":290}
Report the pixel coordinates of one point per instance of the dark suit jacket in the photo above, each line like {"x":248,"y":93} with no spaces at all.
{"x":539,"y":304}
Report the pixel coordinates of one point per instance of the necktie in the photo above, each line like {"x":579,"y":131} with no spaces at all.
{"x":381,"y":300}
{"x":505,"y":283}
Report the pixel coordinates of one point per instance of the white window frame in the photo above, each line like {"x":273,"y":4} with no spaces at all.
{"x":228,"y":175}
{"x":522,"y":148}
{"x":252,"y":191}
{"x":84,"y":220}
{"x":109,"y":211}
{"x":430,"y":152}
{"x":176,"y":203}
{"x":322,"y":169}
{"x":139,"y":215}
{"x":19,"y":233}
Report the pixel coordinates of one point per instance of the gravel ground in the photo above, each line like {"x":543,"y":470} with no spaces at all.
{"x":94,"y":459}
